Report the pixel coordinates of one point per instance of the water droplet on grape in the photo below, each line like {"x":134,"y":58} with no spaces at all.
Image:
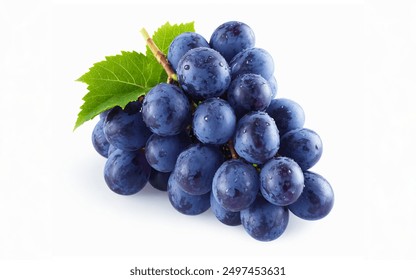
{"x":206,"y":118}
{"x":221,"y":64}
{"x":187,"y":67}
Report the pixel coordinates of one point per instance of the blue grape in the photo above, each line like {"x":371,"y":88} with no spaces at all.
{"x":232,"y":37}
{"x":235,"y":185}
{"x":256,"y":138}
{"x":111,"y":149}
{"x":203,"y":73}
{"x":126,"y":172}
{"x":249,"y":92}
{"x":186,"y":203}
{"x":281,"y":181}
{"x":125,"y":129}
{"x":287,"y":114}
{"x":264,"y":221}
{"x":99,"y":141}
{"x":273,"y":86}
{"x":159,"y":180}
{"x":316,"y":200}
{"x":226,"y":217}
{"x":253,"y":60}
{"x":303,"y":146}
{"x":166,"y":110}
{"x":195,"y":168}
{"x":183,"y":43}
{"x":214,"y":121}
{"x":162,"y":151}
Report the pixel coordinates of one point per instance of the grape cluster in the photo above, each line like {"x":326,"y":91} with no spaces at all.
{"x":218,"y":138}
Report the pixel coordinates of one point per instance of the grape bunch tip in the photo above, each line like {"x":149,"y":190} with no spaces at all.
{"x":217,"y":135}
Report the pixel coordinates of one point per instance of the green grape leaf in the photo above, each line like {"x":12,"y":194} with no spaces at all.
{"x":123,"y":78}
{"x":167,"y":32}
{"x":165,"y":35}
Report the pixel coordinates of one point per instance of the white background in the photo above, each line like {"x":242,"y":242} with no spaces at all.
{"x":352,"y":67}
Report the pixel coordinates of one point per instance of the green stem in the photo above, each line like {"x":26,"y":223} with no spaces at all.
{"x":160,"y":56}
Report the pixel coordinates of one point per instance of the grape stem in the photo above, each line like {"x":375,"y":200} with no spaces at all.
{"x":160,"y":56}
{"x":232,"y":150}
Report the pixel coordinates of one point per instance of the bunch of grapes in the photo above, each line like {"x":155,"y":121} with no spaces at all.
{"x":217,"y":137}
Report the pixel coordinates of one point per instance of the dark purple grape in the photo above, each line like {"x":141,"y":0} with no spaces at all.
{"x":235,"y":185}
{"x":281,"y":181}
{"x":256,"y":138}
{"x":316,"y":200}
{"x":303,"y":146}
{"x":125,"y":129}
{"x":203,"y":73}
{"x":254,"y":61}
{"x":226,"y":217}
{"x":186,"y":203}
{"x":287,"y":114}
{"x":232,"y":37}
{"x":214,"y":121}
{"x":182,"y":44}
{"x":264,"y":221}
{"x":126,"y":172}
{"x":162,"y":151}
{"x":99,"y":141}
{"x":273,"y":86}
{"x":249,"y":92}
{"x":195,"y":168}
{"x":159,"y":180}
{"x":166,"y":110}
